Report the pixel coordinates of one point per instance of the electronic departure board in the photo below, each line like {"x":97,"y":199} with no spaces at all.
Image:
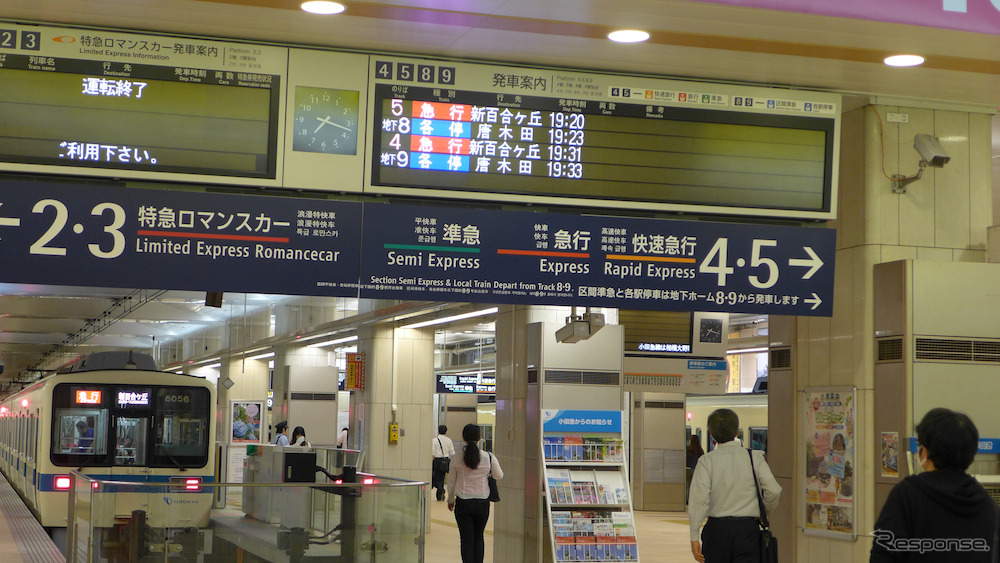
{"x":555,"y":135}
{"x":111,"y":100}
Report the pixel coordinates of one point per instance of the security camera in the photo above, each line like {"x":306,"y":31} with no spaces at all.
{"x":930,"y":150}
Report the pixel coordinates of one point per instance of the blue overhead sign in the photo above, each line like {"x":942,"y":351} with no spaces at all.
{"x":111,"y":236}
{"x":448,"y":254}
{"x":108,"y":236}
{"x":581,"y":421}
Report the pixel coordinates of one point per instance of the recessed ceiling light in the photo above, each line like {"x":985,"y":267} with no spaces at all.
{"x":628,"y":36}
{"x":904,"y":60}
{"x":323,"y":7}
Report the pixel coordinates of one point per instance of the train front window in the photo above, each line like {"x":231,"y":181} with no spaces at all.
{"x":131,"y":437}
{"x":81,"y":431}
{"x":180,"y":429}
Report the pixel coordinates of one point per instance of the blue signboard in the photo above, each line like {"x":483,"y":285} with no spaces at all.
{"x":109,"y":236}
{"x":986,"y":445}
{"x":450,"y":254}
{"x":581,"y":421}
{"x":716,"y":365}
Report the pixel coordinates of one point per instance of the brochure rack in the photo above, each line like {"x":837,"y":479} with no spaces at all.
{"x":587,"y":496}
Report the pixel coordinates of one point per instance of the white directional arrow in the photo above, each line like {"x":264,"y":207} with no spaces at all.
{"x":816,"y":301}
{"x":813,"y":263}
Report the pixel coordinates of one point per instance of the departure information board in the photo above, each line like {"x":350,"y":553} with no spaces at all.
{"x":565,"y":137}
{"x":125,"y":102}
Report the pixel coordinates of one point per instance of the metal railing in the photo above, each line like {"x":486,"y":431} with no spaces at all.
{"x":376,"y":519}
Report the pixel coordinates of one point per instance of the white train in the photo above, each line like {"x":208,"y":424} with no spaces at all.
{"x":115,"y":419}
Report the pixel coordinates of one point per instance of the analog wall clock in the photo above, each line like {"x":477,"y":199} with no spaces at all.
{"x":711,"y":330}
{"x":326,"y":120}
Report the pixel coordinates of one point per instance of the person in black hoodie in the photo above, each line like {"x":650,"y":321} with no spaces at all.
{"x":942,"y":514}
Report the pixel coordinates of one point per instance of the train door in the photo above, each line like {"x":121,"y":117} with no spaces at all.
{"x":130,"y":434}
{"x":33,"y":457}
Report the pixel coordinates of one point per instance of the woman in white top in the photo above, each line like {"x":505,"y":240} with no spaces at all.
{"x":468,"y":492}
{"x":299,"y":437}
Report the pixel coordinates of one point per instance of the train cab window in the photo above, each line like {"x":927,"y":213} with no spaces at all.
{"x":181,"y":427}
{"x":80,"y":432}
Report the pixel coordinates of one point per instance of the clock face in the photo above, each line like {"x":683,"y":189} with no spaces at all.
{"x":326,"y":120}
{"x":711,"y":330}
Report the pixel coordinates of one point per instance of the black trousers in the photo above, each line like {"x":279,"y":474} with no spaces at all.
{"x":471,"y":516}
{"x":437,"y":481}
{"x":731,"y":540}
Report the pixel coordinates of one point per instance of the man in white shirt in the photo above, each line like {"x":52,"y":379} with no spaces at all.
{"x":723,"y":490}
{"x":442,"y":449}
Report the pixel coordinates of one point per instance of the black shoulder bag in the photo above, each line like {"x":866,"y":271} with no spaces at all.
{"x":768,"y":543}
{"x":494,"y":491}
{"x":442,"y":464}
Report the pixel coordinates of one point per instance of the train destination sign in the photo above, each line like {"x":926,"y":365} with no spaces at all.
{"x":108,"y":236}
{"x":442,"y":254}
{"x":149,"y":106}
{"x":554,"y":136}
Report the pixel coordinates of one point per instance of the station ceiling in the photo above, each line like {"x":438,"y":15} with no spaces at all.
{"x":689,"y":39}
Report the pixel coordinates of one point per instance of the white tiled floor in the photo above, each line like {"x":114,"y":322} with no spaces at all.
{"x":663,"y":536}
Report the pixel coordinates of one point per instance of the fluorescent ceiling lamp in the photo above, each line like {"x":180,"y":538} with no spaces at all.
{"x":323,"y":8}
{"x":261,"y":356}
{"x":209,"y":360}
{"x":904,"y":60}
{"x":628,"y":36}
{"x":476,"y":372}
{"x":332,"y":342}
{"x":454,"y":318}
{"x":747,"y":350}
{"x":218,"y":365}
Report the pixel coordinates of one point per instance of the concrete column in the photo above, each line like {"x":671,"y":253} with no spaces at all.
{"x":944,"y":216}
{"x":517,"y":517}
{"x":399,"y":386}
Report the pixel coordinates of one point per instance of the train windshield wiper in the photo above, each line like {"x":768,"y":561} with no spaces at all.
{"x":87,"y":461}
{"x":163,"y":447}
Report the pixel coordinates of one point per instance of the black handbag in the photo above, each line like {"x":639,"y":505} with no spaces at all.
{"x":441,"y":464}
{"x":768,"y":543}
{"x":494,"y":491}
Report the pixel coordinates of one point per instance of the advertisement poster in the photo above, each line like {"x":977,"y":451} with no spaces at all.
{"x":890,"y":454}
{"x":246,"y":422}
{"x":830,"y":463}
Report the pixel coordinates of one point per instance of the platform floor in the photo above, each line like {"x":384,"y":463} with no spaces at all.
{"x":22,"y":538}
{"x":663,"y":536}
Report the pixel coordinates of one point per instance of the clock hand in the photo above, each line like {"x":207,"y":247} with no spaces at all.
{"x":326,"y":120}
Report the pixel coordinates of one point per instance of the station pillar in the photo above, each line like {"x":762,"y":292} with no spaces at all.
{"x":944,"y":217}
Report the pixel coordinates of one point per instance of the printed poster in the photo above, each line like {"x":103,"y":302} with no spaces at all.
{"x":246,"y":422}
{"x":890,"y":454}
{"x":830,"y":463}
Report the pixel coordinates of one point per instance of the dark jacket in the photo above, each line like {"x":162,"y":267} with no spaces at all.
{"x":948,"y":506}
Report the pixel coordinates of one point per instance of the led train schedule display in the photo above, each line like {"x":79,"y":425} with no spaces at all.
{"x":447,"y":137}
{"x":600,"y":150}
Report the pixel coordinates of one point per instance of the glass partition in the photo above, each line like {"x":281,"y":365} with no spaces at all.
{"x":375,"y":519}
